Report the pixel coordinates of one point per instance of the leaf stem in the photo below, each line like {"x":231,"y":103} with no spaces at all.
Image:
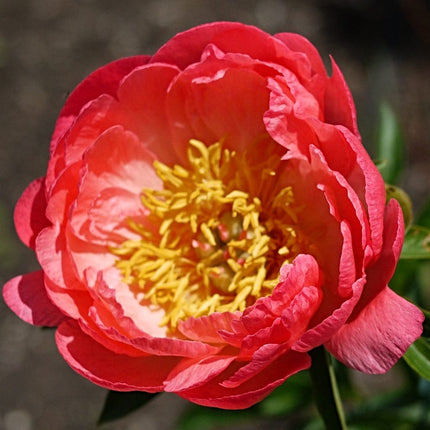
{"x":325,"y":390}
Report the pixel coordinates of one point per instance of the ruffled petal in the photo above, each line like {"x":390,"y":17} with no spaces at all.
{"x":206,"y":328}
{"x":190,"y":373}
{"x":117,"y":165}
{"x":214,"y":394}
{"x":383,"y":324}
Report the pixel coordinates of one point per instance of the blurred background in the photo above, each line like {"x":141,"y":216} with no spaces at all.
{"x":48,"y":46}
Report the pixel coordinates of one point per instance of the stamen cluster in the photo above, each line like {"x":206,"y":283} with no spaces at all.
{"x":214,"y":247}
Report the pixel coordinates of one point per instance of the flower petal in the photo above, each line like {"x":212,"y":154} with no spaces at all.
{"x":215,"y":103}
{"x":339,"y":104}
{"x":374,"y":340}
{"x":298,"y":43}
{"x":29,"y":215}
{"x":206,"y":328}
{"x":250,"y":392}
{"x":186,"y":48}
{"x":104,"y":367}
{"x":104,"y":80}
{"x":142,"y":101}
{"x":383,"y":324}
{"x":191,"y":373}
{"x":117,"y":165}
{"x":26,"y":296}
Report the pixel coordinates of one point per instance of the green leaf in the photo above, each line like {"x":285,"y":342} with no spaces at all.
{"x":418,"y":357}
{"x":119,"y":404}
{"x":426,"y":324}
{"x":203,"y":418}
{"x":287,"y":398}
{"x":389,"y":145}
{"x":417,"y":243}
{"x":423,"y":218}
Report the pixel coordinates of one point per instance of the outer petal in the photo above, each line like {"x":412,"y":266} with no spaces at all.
{"x":26,"y":296}
{"x":380,"y":335}
{"x":29,"y":215}
{"x":186,"y":48}
{"x":339,"y":105}
{"x":104,"y":80}
{"x":252,"y":391}
{"x":261,"y":359}
{"x":193,"y":373}
{"x":110,"y":370}
{"x":298,"y":43}
{"x":383,"y":324}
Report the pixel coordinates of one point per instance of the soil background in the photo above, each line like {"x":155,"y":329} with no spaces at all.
{"x":48,"y":46}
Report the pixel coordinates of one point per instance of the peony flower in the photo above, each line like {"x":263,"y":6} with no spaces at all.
{"x":209,"y":216}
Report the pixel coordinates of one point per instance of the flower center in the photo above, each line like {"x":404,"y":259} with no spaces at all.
{"x":222,"y":229}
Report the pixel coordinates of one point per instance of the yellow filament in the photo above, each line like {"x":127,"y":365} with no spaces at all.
{"x":212,"y":251}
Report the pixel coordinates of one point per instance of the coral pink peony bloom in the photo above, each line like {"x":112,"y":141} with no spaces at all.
{"x":209,"y":215}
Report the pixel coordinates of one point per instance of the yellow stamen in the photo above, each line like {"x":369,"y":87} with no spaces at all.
{"x":222,"y":228}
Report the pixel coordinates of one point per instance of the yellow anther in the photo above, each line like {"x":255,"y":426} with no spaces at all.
{"x":220,"y":232}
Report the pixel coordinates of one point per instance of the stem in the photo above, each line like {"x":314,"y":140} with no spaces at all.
{"x":325,"y":390}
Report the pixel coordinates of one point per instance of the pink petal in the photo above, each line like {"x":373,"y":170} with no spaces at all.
{"x":125,"y":305}
{"x":191,"y":373}
{"x":160,"y":346}
{"x":110,"y":370}
{"x":117,"y":165}
{"x":119,"y":316}
{"x":109,"y":215}
{"x":324,"y":330}
{"x":383,"y":324}
{"x":257,"y":44}
{"x":63,"y":193}
{"x":302,"y":273}
{"x":218,"y":106}
{"x":26,"y":296}
{"x":73,"y":303}
{"x":250,"y":392}
{"x":29,"y":215}
{"x":339,"y":104}
{"x":374,"y":340}
{"x":206,"y":328}
{"x":95,"y":117}
{"x":261,"y":359}
{"x":357,"y":168}
{"x":186,"y":48}
{"x":283,"y":124}
{"x":104,"y":80}
{"x":291,"y":325}
{"x":366,"y":174}
{"x":298,"y":43}
{"x":142,"y":99}
{"x":55,"y":259}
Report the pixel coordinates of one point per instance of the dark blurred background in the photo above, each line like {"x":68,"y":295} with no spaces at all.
{"x":48,"y":46}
